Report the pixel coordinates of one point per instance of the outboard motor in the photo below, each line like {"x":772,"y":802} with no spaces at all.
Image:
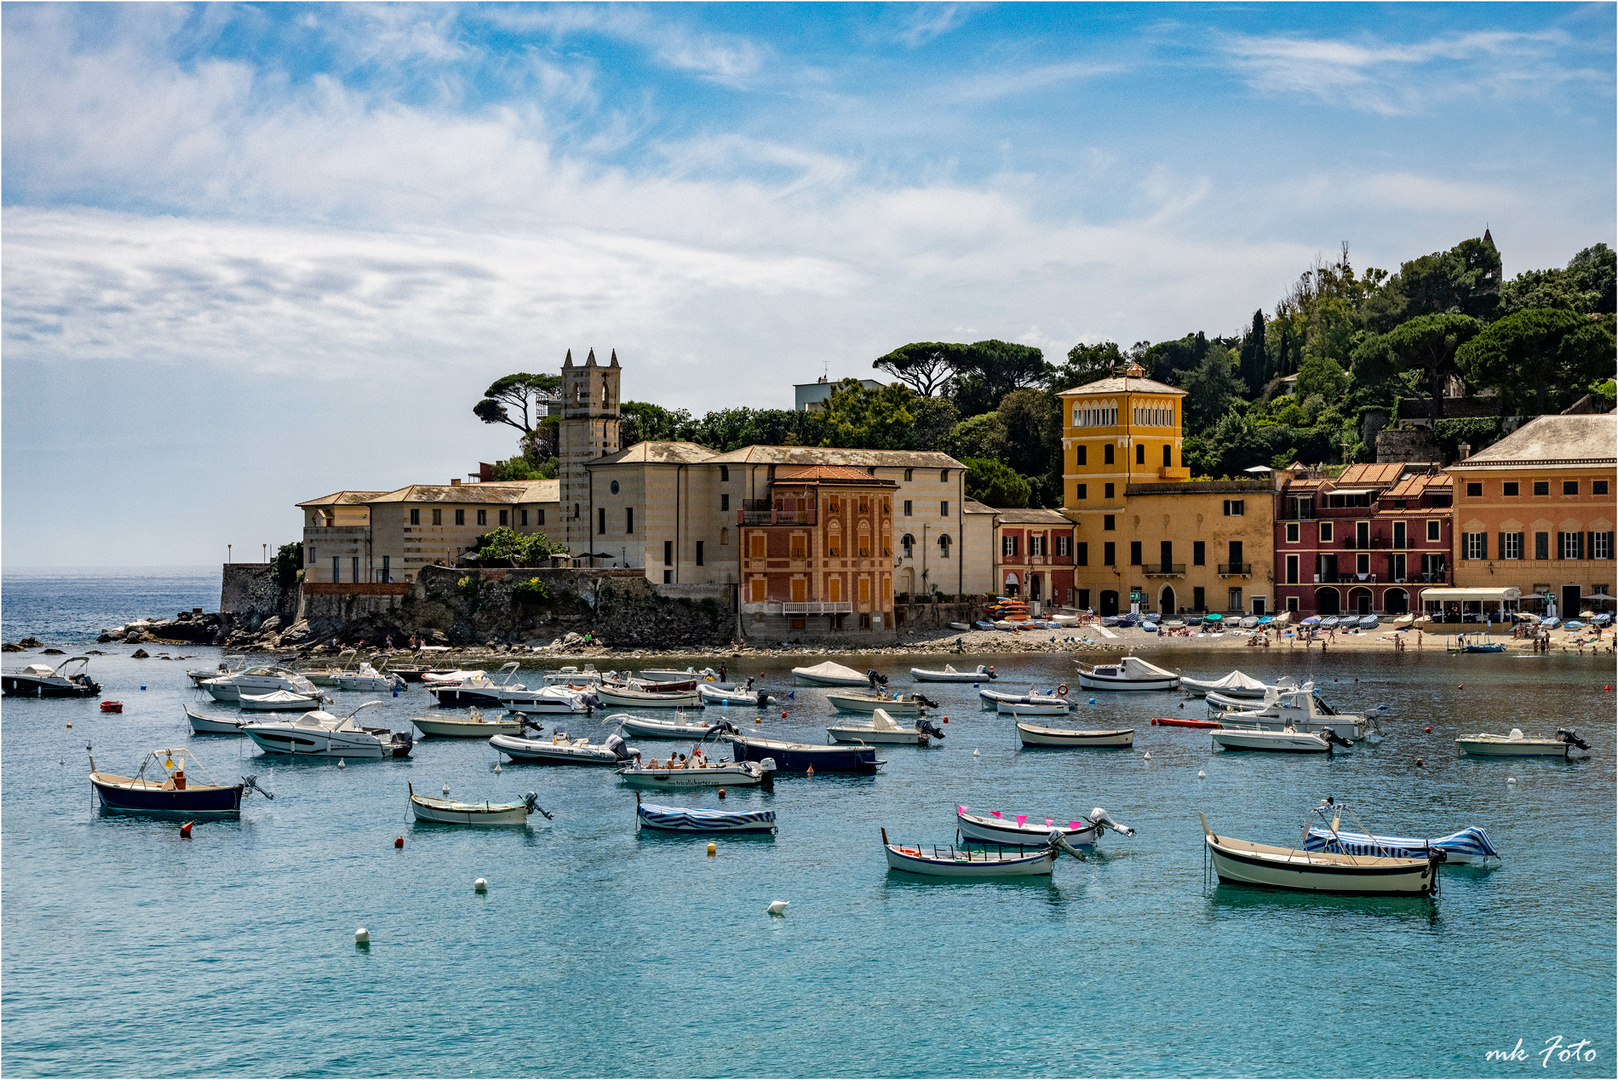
{"x":989,"y":671}
{"x":1058,"y":842}
{"x":615,"y":743}
{"x":402,"y":742}
{"x":530,"y":802}
{"x":763,"y":698}
{"x":927,"y":701}
{"x":250,"y":785}
{"x":877,"y":681}
{"x":723,"y":727}
{"x":928,"y":728}
{"x":591,"y":702}
{"x":1571,"y":737}
{"x":1336,"y":740}
{"x":1100,"y":817}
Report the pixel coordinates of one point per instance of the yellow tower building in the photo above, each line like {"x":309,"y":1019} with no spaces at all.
{"x":1119,"y":431}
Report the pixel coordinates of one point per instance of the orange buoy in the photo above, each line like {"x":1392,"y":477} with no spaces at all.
{"x":1418,"y":763}
{"x":1429,"y":729}
{"x":185,"y":830}
{"x":783,"y":714}
{"x":1460,"y":686}
{"x":811,"y":770}
{"x":398,"y":841}
{"x":946,"y":719}
{"x":721,"y":793}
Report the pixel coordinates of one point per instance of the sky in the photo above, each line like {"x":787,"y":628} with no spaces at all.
{"x":251,"y":255}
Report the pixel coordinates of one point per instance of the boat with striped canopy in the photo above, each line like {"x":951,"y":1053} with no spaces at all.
{"x":1469,"y":846}
{"x":691,"y":819}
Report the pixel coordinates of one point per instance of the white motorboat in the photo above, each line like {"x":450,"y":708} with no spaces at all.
{"x":1285,"y":740}
{"x":572,"y":675}
{"x":993,"y":698}
{"x":280,"y":701}
{"x":830,"y":674}
{"x":1070,"y":737}
{"x":1517,"y":744}
{"x":983,"y":673}
{"x":230,"y":665}
{"x":368,"y":679}
{"x":320,"y":734}
{"x":898,"y":704}
{"x":1130,"y":673}
{"x":480,"y":690}
{"x":883,"y":729}
{"x":448,"y":812}
{"x":327,"y":676}
{"x":628,"y":697}
{"x":259,"y":680}
{"x":1055,"y":707}
{"x":712,"y":694}
{"x":994,"y":828}
{"x":1301,"y":710}
{"x":1299,"y":869}
{"x":669,"y":675}
{"x":645,"y":727}
{"x":215,"y":725}
{"x":1235,"y":685}
{"x":650,"y":776}
{"x":547,"y":699}
{"x":459,"y":675}
{"x":561,"y":750}
{"x":474,"y":725}
{"x":41,"y":680}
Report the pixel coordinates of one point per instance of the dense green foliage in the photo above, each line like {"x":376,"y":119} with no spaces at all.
{"x":505,"y":546}
{"x":1343,"y":352}
{"x":286,"y":563}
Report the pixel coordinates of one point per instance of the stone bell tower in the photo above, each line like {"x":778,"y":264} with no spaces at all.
{"x":588,"y":430}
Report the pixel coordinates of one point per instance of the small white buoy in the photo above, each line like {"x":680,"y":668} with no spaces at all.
{"x":977,"y":753}
{"x":480,"y":885}
{"x":497,"y":768}
{"x":1148,"y":755}
{"x":446,"y":789}
{"x":1511,"y":779}
{"x":1201,"y":775}
{"x":778,"y":907}
{"x":341,"y":764}
{"x":362,"y":936}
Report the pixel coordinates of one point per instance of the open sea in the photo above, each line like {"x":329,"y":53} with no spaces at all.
{"x":598,"y":951}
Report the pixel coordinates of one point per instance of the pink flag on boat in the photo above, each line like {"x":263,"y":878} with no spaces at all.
{"x":1020,"y":819}
{"x":1074,"y":825}
{"x":996,"y":813}
{"x":1049,"y":823}
{"x":963,"y":809}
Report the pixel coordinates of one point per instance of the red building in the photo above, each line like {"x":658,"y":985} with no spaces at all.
{"x":1034,"y":555}
{"x":1363,"y":543}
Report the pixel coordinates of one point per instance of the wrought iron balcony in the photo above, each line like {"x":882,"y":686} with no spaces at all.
{"x":806,"y":517}
{"x":1164,"y":569}
{"x":1235,"y":569}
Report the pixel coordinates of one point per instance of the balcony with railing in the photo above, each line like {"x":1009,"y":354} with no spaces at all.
{"x":763,"y":512}
{"x":1164,"y":569}
{"x":1235,"y":569}
{"x":808,"y":607}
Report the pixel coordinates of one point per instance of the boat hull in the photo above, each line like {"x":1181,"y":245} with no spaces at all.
{"x":465,"y":729}
{"x":859,"y":703}
{"x":542,"y":752}
{"x":23,"y":686}
{"x":445,"y":812}
{"x":961,"y":863}
{"x":646,"y":728}
{"x":134,"y":797}
{"x":1281,"y":742}
{"x":213,"y":725}
{"x":684,"y":819}
{"x":466,"y":697}
{"x":799,"y":757}
{"x":1297,"y":870}
{"x":973,"y":827}
{"x":809,"y":677}
{"x":316,"y":743}
{"x":871,"y":735}
{"x":728,"y":774}
{"x":636,"y":699}
{"x":1094,"y":682}
{"x":1178,"y":721}
{"x":925,"y":675}
{"x":1513,"y":747}
{"x":1021,"y":708}
{"x":1033,"y":736}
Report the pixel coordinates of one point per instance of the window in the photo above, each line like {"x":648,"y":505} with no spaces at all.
{"x":1235,"y":600}
{"x":1235,"y":507}
{"x":629,"y":521}
{"x":1108,"y":492}
{"x":1083,"y":455}
{"x":1108,"y":522}
{"x":834,"y":505}
{"x":943,"y":474}
{"x":756,"y":545}
{"x":1432,"y":532}
{"x":724,"y":474}
{"x":699,"y":553}
{"x":1064,"y":546}
{"x":865,"y":590}
{"x":1236,"y":557}
{"x":601,"y":521}
{"x":415,"y":517}
{"x":668,"y":553}
{"x":1168,"y":456}
{"x":1106,"y":454}
{"x":943,"y":546}
{"x":1598,"y":487}
{"x":943,"y":509}
{"x":1474,"y":491}
{"x":798,"y":546}
{"x":336,"y":569}
{"x":1036,"y":545}
{"x":1362,"y":565}
{"x":438,"y":517}
{"x":1570,"y":487}
{"x":756,"y":590}
{"x":1140,"y":453}
{"x":724,"y":537}
{"x":724,"y":502}
{"x":1571,"y":545}
{"x":1325,"y":532}
{"x":1083,"y":558}
{"x":1292,"y":569}
{"x":1292,"y":603}
{"x":864,"y":544}
{"x":1474,"y":545}
{"x":1509,"y":488}
{"x":1511,"y":545}
{"x":1134,"y":553}
{"x":834,"y":546}
{"x":1084,"y":492}
{"x":908,"y":473}
{"x":1199,"y":553}
{"x":522,"y":517}
{"x":460,"y":517}
{"x":1109,"y":554}
{"x":1601,"y":545}
{"x":1542,"y":546}
{"x":1199,"y":600}
{"x":387,"y":568}
{"x":1542,"y":487}
{"x":539,"y":516}
{"x":1292,"y":532}
{"x":907,"y":542}
{"x":1008,"y":547}
{"x":483,"y":517}
{"x":1084,"y":599}
{"x":864,"y":507}
{"x":834,"y":590}
{"x":907,"y":508}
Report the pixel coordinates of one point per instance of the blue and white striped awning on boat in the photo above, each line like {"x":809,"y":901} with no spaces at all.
{"x":1467,"y":844}
{"x":695,"y":819}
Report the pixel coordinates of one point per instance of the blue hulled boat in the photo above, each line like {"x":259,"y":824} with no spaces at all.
{"x":160,"y":787}
{"x":690,"y":819}
{"x":799,"y":757}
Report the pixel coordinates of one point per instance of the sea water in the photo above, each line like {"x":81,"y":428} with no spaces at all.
{"x":598,"y":950}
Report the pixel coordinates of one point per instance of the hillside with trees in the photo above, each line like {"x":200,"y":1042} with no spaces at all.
{"x":1341,"y":354}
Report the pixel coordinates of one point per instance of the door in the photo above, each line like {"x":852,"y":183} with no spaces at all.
{"x":799,"y":590}
{"x":1361,"y":600}
{"x":1034,"y":592}
{"x":1326,"y":602}
{"x":1165,"y":602}
{"x":1570,"y":601}
{"x":1109,"y":602}
{"x":1396,"y":601}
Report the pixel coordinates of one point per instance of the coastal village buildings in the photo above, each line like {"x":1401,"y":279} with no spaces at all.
{"x":1363,"y":543}
{"x":1534,"y":512}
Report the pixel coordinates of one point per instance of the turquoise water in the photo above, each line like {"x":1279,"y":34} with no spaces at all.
{"x":597,"y":951}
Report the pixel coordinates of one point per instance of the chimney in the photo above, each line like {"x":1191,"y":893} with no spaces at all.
{"x":455,"y":482}
{"x":1463,"y":451}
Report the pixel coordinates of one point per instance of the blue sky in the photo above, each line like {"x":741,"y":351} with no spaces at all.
{"x":253,"y":254}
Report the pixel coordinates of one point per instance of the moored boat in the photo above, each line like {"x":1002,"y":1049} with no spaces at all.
{"x":560,"y":749}
{"x":367,"y":679}
{"x":449,"y":812}
{"x":474,"y":688}
{"x":474,"y":725}
{"x":830,"y":674}
{"x":1041,"y":737}
{"x":1130,"y":673}
{"x":1517,"y":744}
{"x":216,"y":725}
{"x":259,"y":680}
{"x":43,"y":681}
{"x":799,"y":757}
{"x":741,"y":696}
{"x":949,"y":674}
{"x":1268,"y":866}
{"x":651,"y":775}
{"x":546,"y":700}
{"x":994,"y":828}
{"x":279,"y":701}
{"x":625,"y":697}
{"x":1184,"y":721}
{"x":937,"y":860}
{"x":646,"y":727}
{"x":1054,"y":707}
{"x":868,"y":702}
{"x":884,"y":730}
{"x":1285,"y":741}
{"x":1236,"y":685}
{"x":320,"y":734}
{"x":691,"y":819}
{"x":993,"y":698}
{"x":161,"y":787}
